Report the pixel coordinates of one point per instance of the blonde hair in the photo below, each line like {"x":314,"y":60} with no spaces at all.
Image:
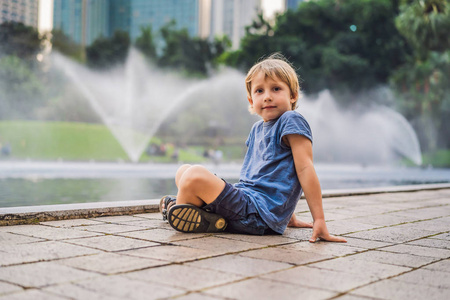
{"x":276,"y":67}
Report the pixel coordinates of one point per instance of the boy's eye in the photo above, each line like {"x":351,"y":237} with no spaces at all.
{"x":258,"y":91}
{"x":276,"y":88}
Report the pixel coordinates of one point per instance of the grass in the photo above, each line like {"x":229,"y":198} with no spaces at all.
{"x":72,"y":141}
{"x":439,"y":158}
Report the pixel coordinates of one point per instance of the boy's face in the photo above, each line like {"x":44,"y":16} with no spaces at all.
{"x":270,"y":98}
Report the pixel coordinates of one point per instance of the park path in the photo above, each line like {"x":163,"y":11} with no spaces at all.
{"x":398,"y":248}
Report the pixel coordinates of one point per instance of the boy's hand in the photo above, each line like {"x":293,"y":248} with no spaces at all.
{"x":320,"y":231}
{"x":294,"y":222}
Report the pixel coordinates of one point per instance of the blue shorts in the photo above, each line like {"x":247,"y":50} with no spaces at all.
{"x":239,"y":211}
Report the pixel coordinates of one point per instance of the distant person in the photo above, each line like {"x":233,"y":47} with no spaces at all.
{"x":6,"y":149}
{"x":277,"y":167}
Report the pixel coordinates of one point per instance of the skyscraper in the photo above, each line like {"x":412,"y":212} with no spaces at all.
{"x":82,"y":20}
{"x":230,"y":17}
{"x":24,"y":11}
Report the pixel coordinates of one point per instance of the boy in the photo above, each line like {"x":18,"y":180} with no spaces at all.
{"x":277,"y":167}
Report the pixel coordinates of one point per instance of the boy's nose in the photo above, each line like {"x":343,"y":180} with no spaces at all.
{"x":267,"y":97}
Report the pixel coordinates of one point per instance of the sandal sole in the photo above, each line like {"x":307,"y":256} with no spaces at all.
{"x":189,"y":218}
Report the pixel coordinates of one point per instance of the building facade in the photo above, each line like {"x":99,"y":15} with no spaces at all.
{"x":86,"y":20}
{"x":23,"y":11}
{"x":230,"y":17}
{"x":82,"y":20}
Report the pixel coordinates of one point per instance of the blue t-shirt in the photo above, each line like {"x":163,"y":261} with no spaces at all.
{"x":268,"y":174}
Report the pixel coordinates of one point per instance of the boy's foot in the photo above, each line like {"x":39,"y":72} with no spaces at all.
{"x":165,"y":204}
{"x":190,"y":218}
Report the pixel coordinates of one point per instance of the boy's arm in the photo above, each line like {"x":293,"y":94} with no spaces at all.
{"x":303,"y":159}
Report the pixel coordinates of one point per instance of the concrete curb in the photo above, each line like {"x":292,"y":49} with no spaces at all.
{"x":35,"y":214}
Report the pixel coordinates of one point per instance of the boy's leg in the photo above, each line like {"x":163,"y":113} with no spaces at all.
{"x":197,"y":186}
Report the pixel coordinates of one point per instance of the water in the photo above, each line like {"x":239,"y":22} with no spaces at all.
{"x":133,"y":100}
{"x":24,"y":184}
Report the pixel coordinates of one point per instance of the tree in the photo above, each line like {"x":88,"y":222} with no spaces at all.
{"x":422,"y":82}
{"x":107,"y":52}
{"x":19,"y":40}
{"x":146,"y":44}
{"x":345,"y":46}
{"x":21,"y":92}
{"x":65,"y":45}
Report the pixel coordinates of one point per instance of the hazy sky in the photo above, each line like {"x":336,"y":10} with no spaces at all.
{"x":46,"y":8}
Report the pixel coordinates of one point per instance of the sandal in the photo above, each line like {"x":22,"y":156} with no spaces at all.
{"x":190,"y":218}
{"x":165,"y":204}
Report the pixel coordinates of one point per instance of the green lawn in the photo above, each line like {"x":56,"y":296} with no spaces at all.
{"x":72,"y":141}
{"x":53,"y":140}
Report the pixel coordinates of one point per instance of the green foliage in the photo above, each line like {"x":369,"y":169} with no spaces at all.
{"x":422,"y":82}
{"x":21,"y":91}
{"x":340,"y":45}
{"x":145,"y":43}
{"x":19,"y":40}
{"x":107,"y":52}
{"x":183,"y":52}
{"x":426,"y":26}
{"x":65,"y":45}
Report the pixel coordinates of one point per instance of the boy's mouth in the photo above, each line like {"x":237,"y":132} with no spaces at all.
{"x":269,"y":107}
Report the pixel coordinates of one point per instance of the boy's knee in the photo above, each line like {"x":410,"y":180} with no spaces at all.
{"x":193,"y":176}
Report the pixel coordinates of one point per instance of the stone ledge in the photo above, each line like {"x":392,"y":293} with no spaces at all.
{"x":41,"y":213}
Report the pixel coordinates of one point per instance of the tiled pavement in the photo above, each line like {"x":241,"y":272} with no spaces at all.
{"x":398,"y":248}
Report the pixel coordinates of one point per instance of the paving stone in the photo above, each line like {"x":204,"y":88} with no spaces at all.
{"x":115,"y":219}
{"x":155,"y":216}
{"x":348,"y":265}
{"x":325,"y":248}
{"x":257,"y":288}
{"x":394,"y":289}
{"x":354,"y":297}
{"x":218,"y":244}
{"x":239,"y":265}
{"x":70,"y":223}
{"x":266,"y":240}
{"x":427,"y":277}
{"x":425,"y":213}
{"x":299,"y":234}
{"x":7,"y":288}
{"x":50,"y":233}
{"x":42,"y":251}
{"x":348,"y":226}
{"x":32,"y":294}
{"x":443,"y":266}
{"x":433,"y":243}
{"x":112,"y":228}
{"x":366,"y":244}
{"x":285,"y":255}
{"x":41,"y":274}
{"x":15,"y":239}
{"x":147,"y":223}
{"x":443,"y":236}
{"x":419,"y":250}
{"x":199,"y":296}
{"x":438,"y":225}
{"x":124,"y":288}
{"x":171,"y":253}
{"x":78,"y":292}
{"x":322,"y":279}
{"x":394,"y":234}
{"x":112,"y":243}
{"x":110,"y":263}
{"x":385,"y":219}
{"x":162,"y":235}
{"x":186,"y":277}
{"x":391,"y":258}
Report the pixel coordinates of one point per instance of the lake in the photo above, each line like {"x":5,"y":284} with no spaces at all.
{"x":42,"y":183}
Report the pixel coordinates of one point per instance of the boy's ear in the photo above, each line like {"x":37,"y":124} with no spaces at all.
{"x":250,"y":100}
